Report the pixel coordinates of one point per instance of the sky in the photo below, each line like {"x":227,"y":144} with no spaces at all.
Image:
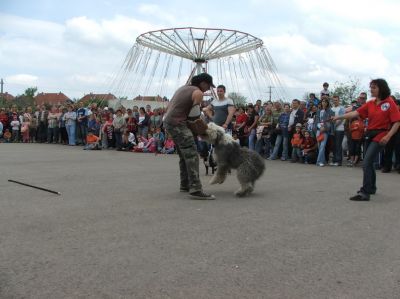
{"x":77,"y":47}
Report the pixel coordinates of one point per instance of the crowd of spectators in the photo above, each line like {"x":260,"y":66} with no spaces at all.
{"x":299,"y":132}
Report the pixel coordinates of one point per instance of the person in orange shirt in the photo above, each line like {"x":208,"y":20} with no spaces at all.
{"x":357,"y":133}
{"x":92,"y":142}
{"x":296,"y":141}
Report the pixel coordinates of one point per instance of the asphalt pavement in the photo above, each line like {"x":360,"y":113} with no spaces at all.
{"x":122,"y":229}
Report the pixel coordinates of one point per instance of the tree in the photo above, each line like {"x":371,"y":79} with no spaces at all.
{"x":347,"y":91}
{"x":23,"y":101}
{"x":30,"y":92}
{"x":237,"y":99}
{"x":397,"y":95}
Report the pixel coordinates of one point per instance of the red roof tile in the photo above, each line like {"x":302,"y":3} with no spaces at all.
{"x":51,"y":98}
{"x":7,"y":96}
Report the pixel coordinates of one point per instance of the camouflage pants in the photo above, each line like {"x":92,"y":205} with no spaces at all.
{"x":188,"y":157}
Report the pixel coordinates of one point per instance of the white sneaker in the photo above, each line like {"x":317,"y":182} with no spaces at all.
{"x":321,"y":164}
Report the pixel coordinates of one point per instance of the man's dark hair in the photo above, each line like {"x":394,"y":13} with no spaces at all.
{"x":296,"y":100}
{"x":312,"y":94}
{"x":196,"y":80}
{"x":222,"y":86}
{"x":384,"y":90}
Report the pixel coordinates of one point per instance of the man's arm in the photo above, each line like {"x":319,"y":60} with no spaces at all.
{"x":197,"y":97}
{"x":231,"y":112}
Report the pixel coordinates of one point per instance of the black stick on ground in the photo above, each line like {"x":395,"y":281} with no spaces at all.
{"x":36,"y":187}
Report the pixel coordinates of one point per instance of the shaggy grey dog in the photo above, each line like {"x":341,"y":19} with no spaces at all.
{"x":230,"y":155}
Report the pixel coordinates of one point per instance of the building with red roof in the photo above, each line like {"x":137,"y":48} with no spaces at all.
{"x":51,"y":98}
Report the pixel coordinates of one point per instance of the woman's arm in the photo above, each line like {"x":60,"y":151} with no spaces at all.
{"x":348,"y":115}
{"x":385,"y":139}
{"x":254,"y":124}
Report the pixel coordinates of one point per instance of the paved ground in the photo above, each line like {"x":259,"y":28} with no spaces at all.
{"x":120,"y":229}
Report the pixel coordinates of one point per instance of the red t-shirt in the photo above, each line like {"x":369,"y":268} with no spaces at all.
{"x":380,"y":116}
{"x":357,"y":129}
{"x":241,"y":118}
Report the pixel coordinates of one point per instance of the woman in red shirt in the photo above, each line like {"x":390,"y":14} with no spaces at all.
{"x":383,"y":122}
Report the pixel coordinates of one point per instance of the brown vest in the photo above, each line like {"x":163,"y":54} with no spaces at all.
{"x":180,"y":106}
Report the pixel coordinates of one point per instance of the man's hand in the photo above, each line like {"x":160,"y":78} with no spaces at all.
{"x":384,"y":140}
{"x":225,"y":126}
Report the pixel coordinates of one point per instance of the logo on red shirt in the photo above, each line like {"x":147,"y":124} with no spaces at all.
{"x":385,"y":106}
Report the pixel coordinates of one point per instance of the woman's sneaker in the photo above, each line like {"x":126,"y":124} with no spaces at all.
{"x":201,"y":195}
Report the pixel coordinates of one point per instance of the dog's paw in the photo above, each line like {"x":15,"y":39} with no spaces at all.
{"x":214,"y":180}
{"x":243,"y":192}
{"x":240,"y":193}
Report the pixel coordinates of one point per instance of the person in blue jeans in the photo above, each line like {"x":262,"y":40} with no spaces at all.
{"x":82,"y":123}
{"x":70,"y":124}
{"x":383,"y":122}
{"x":322,"y":126}
{"x":251,"y":125}
{"x":282,"y":134}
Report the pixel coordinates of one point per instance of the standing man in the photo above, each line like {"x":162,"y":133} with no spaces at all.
{"x":82,"y":118}
{"x":187,"y":100}
{"x":42,"y":116}
{"x":221,"y":110}
{"x":338,"y":132}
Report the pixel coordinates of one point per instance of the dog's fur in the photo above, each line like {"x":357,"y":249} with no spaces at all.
{"x":230,"y":155}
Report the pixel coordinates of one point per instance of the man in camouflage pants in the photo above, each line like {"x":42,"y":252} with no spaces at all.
{"x":186,"y":104}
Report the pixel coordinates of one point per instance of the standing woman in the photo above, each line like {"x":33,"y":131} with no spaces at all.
{"x":70,"y":124}
{"x":143,"y":123}
{"x":322,"y":127}
{"x":251,"y":125}
{"x":383,"y":122}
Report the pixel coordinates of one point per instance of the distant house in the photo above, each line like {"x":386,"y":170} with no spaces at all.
{"x":97,"y":96}
{"x":51,"y":98}
{"x":6,"y":96}
{"x":149,"y":98}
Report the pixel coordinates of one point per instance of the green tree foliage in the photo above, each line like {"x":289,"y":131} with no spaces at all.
{"x":30,"y":92}
{"x":347,"y":91}
{"x":397,"y":95}
{"x":101,"y":103}
{"x":237,"y":99}
{"x":23,"y":101}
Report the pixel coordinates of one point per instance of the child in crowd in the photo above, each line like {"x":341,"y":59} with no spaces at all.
{"x":357,"y":133}
{"x":309,"y":147}
{"x":7,"y":136}
{"x":149,"y":145}
{"x":296,"y":141}
{"x":108,"y":130}
{"x":15,"y":123}
{"x":94,"y":124}
{"x":92,"y":142}
{"x":128,"y":140}
{"x":159,"y":139}
{"x":25,"y":129}
{"x":169,"y":146}
{"x":236,"y":138}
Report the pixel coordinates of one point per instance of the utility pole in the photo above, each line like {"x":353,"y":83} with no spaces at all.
{"x":270,"y":92}
{"x":1,"y":83}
